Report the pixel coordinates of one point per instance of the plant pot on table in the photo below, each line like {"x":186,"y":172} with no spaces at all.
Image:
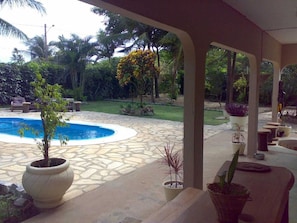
{"x":228,"y":206}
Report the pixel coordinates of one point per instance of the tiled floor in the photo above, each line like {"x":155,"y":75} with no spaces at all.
{"x":94,"y":165}
{"x":121,"y":180}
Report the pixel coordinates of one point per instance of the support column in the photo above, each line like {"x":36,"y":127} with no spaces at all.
{"x":253,"y":105}
{"x":274,"y":99}
{"x":194,"y":114}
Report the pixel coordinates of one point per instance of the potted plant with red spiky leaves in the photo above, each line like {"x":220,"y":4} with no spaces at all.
{"x":173,"y":161}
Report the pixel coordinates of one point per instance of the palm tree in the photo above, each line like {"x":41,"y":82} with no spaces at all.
{"x":7,"y":29}
{"x":37,"y":48}
{"x":75,"y":53}
{"x":106,"y":45}
{"x":172,"y":45}
{"x":17,"y":57}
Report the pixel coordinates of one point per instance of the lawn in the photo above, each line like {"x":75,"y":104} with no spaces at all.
{"x":165,"y":112}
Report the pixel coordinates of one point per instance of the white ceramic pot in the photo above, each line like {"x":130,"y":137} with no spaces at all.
{"x":284,"y":130}
{"x":171,"y":190}
{"x":241,"y":121}
{"x":238,"y":146}
{"x":47,"y":185}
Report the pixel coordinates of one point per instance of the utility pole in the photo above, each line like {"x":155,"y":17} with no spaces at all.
{"x":45,"y":41}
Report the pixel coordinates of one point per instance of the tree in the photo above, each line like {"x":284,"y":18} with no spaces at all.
{"x":17,"y":57}
{"x":75,"y":53}
{"x":52,"y":107}
{"x":37,"y":48}
{"x":137,"y":68}
{"x":7,"y":29}
{"x":240,"y":86}
{"x":227,"y":71}
{"x":117,"y":27}
{"x":129,"y":34}
{"x":231,"y":59}
{"x":106,"y":45}
{"x":290,"y":84}
{"x":173,"y":47}
{"x":215,"y":72}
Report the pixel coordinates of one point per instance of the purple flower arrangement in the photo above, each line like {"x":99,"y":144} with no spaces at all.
{"x":235,"y":109}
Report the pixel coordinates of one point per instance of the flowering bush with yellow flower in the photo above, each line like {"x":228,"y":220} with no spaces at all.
{"x":137,"y":68}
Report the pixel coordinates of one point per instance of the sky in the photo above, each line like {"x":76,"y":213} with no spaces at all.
{"x":63,"y":17}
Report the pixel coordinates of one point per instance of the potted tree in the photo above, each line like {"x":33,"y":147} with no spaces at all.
{"x":173,"y":161}
{"x":238,"y":114}
{"x":47,"y":180}
{"x":238,"y":143}
{"x":228,"y":198}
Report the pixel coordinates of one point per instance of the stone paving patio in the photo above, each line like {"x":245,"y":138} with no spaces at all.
{"x":104,"y":167}
{"x":94,"y":165}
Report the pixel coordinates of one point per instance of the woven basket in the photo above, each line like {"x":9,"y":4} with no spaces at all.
{"x":228,"y":206}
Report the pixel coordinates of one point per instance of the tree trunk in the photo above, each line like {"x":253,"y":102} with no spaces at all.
{"x":157,"y":76}
{"x":73,"y":75}
{"x":157,"y":95}
{"x":231,"y":59}
{"x":152,"y":91}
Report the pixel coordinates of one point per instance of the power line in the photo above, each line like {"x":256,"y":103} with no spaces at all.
{"x":28,"y":25}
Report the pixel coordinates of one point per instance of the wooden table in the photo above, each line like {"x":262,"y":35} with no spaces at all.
{"x":272,"y":136}
{"x":263,"y":139}
{"x":26,"y":107}
{"x":269,"y":200}
{"x":77,"y":105}
{"x":273,"y":123}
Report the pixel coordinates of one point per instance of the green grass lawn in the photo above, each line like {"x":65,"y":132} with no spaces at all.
{"x":165,"y":112}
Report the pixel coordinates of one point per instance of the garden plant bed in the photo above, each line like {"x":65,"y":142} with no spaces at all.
{"x":15,"y":204}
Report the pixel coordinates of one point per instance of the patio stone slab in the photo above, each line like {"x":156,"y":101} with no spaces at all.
{"x":129,"y":169}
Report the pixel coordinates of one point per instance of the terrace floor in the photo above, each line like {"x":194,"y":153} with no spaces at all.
{"x":121,"y":181}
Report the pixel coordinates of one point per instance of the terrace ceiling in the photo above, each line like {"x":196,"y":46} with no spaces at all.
{"x":276,"y":17}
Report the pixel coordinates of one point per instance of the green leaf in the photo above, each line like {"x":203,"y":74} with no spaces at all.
{"x":222,"y":178}
{"x":232,"y":167}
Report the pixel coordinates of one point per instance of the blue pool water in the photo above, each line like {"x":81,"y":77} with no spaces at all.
{"x":73,"y":131}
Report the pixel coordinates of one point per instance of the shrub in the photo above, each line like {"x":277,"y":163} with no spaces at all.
{"x":137,"y":109}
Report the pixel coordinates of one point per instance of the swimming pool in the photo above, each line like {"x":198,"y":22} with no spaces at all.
{"x":79,"y":133}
